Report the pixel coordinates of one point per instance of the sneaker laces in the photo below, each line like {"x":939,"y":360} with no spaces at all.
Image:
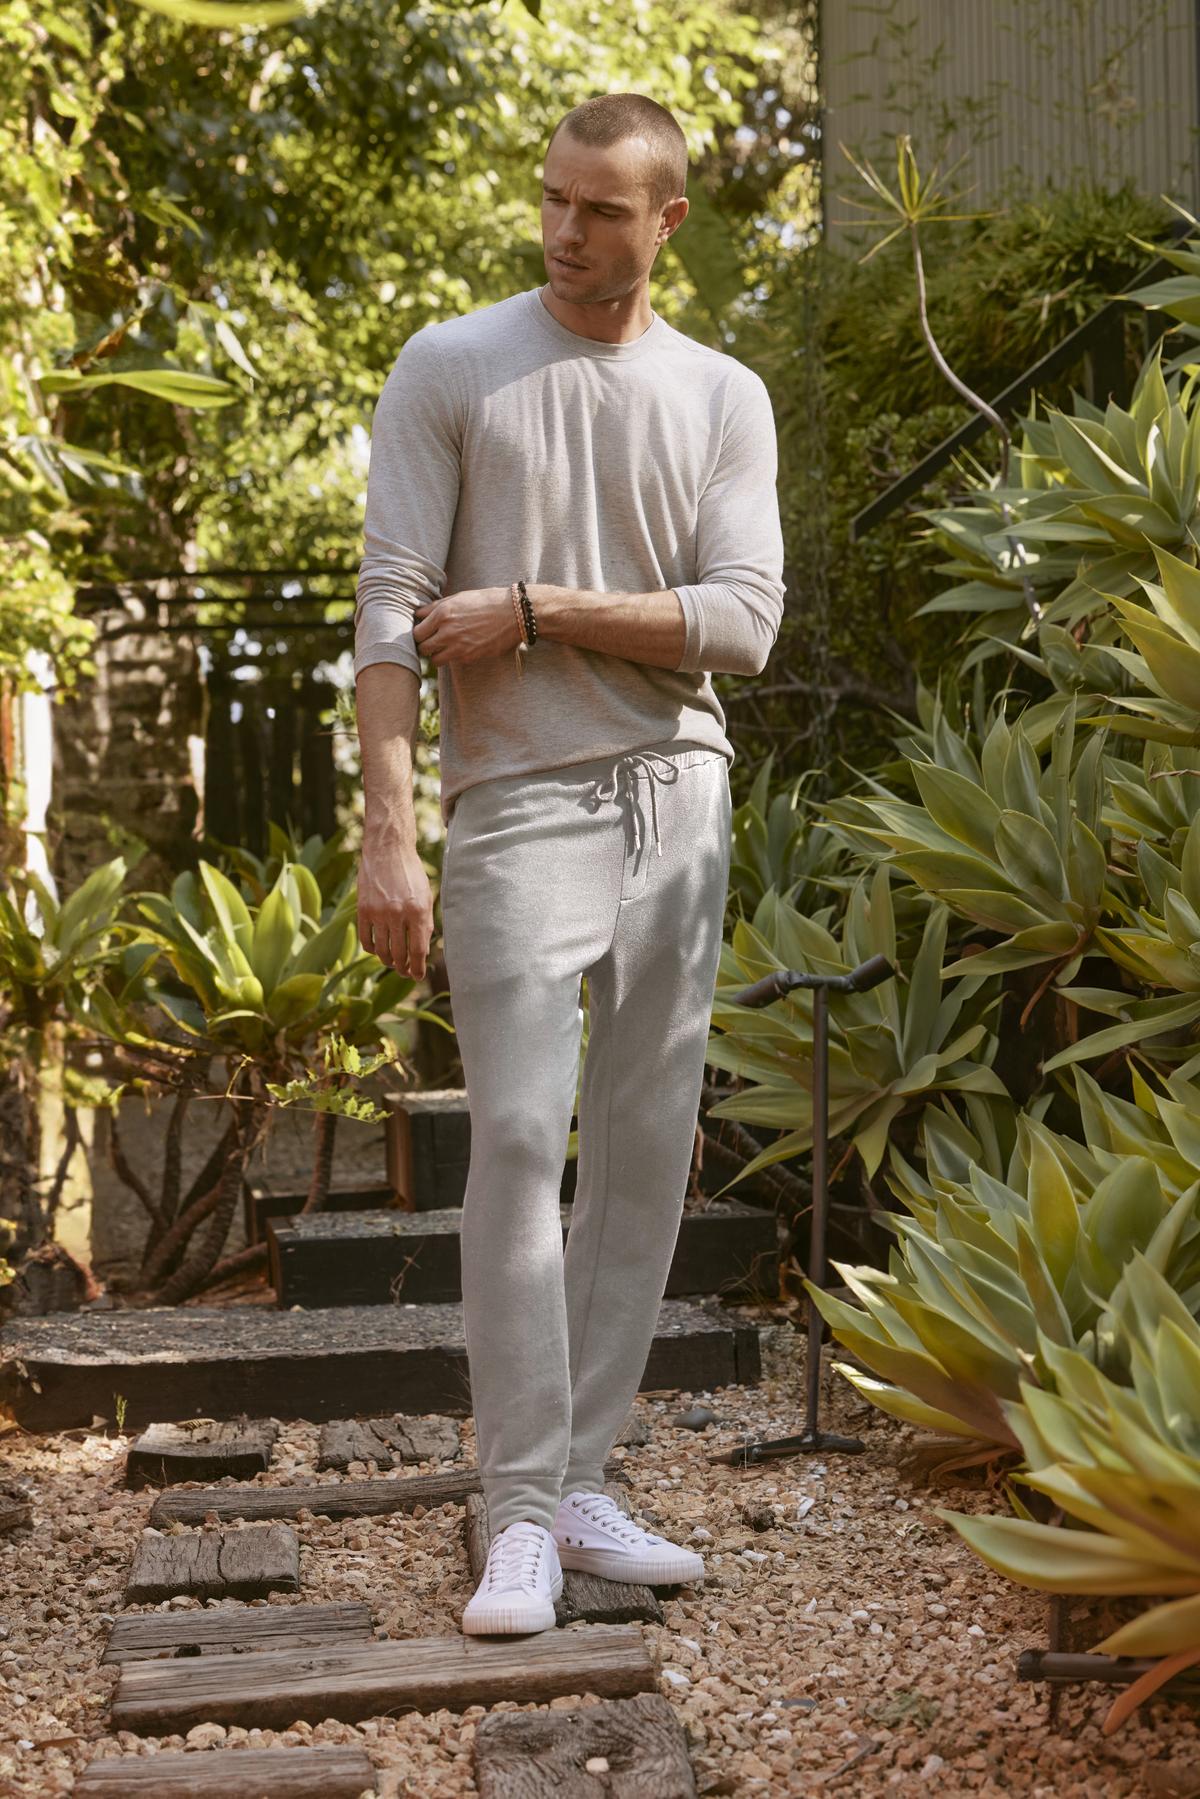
{"x":514,"y":1557}
{"x":599,"y":1509}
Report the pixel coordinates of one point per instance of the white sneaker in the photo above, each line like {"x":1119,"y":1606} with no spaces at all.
{"x":593,"y":1535}
{"x":520,"y":1582}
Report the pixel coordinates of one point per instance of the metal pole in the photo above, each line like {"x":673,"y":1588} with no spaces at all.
{"x":812,"y":1440}
{"x":820,"y":1198}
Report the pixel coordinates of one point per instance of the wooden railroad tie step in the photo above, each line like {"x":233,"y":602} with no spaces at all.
{"x":388,"y":1442}
{"x":338,"y":1499}
{"x":334,"y":1773}
{"x":585,"y":1597}
{"x":277,"y":1688}
{"x":382,"y":1257}
{"x":634,"y":1746}
{"x":215,"y":1564}
{"x":171,"y":1363}
{"x":200,"y":1449}
{"x":143,"y":1636}
{"x":260,"y":1204}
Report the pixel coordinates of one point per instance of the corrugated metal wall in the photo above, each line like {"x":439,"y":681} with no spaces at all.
{"x":1040,"y":90}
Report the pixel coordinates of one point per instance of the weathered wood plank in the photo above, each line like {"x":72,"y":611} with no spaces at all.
{"x":215,"y":1564}
{"x":337,"y":1499}
{"x":635,"y":1746}
{"x":382,"y":1257}
{"x":141,"y":1635}
{"x":387,"y":1441}
{"x":200,"y":1449}
{"x":585,"y":1598}
{"x":260,"y":1204}
{"x":276,"y":1688}
{"x":170,"y":1363}
{"x":339,"y":1772}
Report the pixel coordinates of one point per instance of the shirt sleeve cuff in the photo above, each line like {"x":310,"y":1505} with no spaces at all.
{"x":692,"y":660}
{"x":403,"y":653}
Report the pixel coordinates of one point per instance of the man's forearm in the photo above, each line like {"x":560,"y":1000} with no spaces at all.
{"x":642,"y":627}
{"x":389,"y":698}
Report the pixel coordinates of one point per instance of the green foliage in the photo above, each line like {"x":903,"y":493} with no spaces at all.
{"x":890,"y":1049}
{"x":216,"y":240}
{"x":1123,"y":1460}
{"x":1099,"y":496}
{"x":52,"y":954}
{"x":858,"y":403}
{"x":1040,"y":1302}
{"x":774,"y":845}
{"x":1007,"y":835}
{"x":989,"y":1272}
{"x":324,"y":1089}
{"x":261,"y":979}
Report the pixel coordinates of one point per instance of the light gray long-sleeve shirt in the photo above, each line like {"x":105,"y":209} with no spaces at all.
{"x":505,"y":446}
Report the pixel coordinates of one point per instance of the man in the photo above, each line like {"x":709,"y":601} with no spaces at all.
{"x":569,"y":439}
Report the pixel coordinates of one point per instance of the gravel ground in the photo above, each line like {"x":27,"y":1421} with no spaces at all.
{"x":844,"y":1639}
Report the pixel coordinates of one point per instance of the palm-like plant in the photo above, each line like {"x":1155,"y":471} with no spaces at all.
{"x":1123,"y":1461}
{"x":276,"y":992}
{"x":779,"y":843}
{"x":52,"y":957}
{"x":989,"y":1271}
{"x":889,"y":1049}
{"x":1001,"y":838}
{"x":1096,"y":493}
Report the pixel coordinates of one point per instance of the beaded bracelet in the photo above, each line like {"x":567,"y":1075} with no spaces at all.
{"x":531,"y":629}
{"x":526,"y":622}
{"x":522,"y":649}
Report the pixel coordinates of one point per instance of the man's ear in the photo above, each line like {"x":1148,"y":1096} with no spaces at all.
{"x":674,"y":213}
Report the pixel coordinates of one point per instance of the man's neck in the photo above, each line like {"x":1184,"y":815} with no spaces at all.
{"x":615,"y":327}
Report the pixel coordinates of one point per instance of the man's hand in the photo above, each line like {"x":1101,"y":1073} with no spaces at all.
{"x":467,"y":626}
{"x":395,"y":905}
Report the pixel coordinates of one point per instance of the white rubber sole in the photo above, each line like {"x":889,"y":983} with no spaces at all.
{"x":678,"y":1570}
{"x":511,"y":1617}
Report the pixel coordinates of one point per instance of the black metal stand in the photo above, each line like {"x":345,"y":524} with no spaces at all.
{"x":812,"y":1440}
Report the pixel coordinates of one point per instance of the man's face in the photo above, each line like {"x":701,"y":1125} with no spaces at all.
{"x":596,"y":213}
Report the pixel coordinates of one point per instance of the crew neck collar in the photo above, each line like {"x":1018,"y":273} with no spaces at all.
{"x":590,"y":346}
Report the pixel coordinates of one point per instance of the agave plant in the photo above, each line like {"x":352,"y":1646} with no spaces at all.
{"x":777,"y":842}
{"x":1123,"y":1461}
{"x":1163,"y":702}
{"x":1098,"y":492}
{"x":990,"y":1270}
{"x":1179,"y":295}
{"x":1010,"y":844}
{"x":278,"y":993}
{"x":331,"y":865}
{"x":890,"y":1049}
{"x":52,"y":957}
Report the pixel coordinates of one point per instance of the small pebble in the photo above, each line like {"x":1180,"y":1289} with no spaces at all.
{"x":206,"y":1736}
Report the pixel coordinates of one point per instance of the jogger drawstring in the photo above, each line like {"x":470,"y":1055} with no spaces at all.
{"x":624,"y":768}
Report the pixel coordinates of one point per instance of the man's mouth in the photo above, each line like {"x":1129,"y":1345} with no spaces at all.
{"x":564,"y":263}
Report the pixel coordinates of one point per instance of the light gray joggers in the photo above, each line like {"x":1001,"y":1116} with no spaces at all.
{"x":617,"y":869}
